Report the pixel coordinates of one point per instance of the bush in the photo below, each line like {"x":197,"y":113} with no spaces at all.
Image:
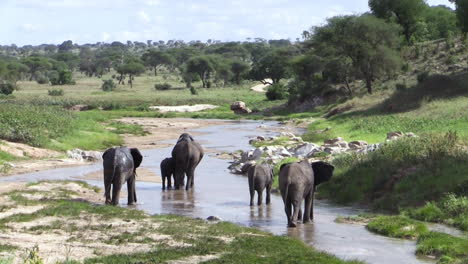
{"x":406,"y":67}
{"x":61,"y":77}
{"x":193,"y":90}
{"x":55,"y":92}
{"x":400,"y":87}
{"x":423,"y":76}
{"x":451,"y":60}
{"x":162,"y":86}
{"x":7,"y":88}
{"x":277,"y":92}
{"x":108,"y":85}
{"x":41,"y":79}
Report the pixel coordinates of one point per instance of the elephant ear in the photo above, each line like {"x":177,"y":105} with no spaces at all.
{"x":323,"y":172}
{"x":106,"y":153}
{"x":137,"y":157}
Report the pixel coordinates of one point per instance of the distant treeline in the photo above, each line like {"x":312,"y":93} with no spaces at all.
{"x":346,"y":48}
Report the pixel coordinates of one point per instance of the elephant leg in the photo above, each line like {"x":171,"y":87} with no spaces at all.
{"x":268,"y":191}
{"x":131,"y":190}
{"x":107,"y":188}
{"x":190,"y":175}
{"x":169,"y":184}
{"x":312,"y":205}
{"x":164,"y":182}
{"x":252,"y":194}
{"x":260,"y":197}
{"x":296,"y":209}
{"x":307,"y":208}
{"x":116,"y":190}
{"x":178,"y":178}
{"x":287,"y":209}
{"x":299,"y":215}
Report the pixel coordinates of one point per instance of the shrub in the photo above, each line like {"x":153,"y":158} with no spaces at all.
{"x":108,"y":85}
{"x":7,"y":88}
{"x":193,"y":90}
{"x":423,"y":76}
{"x":451,"y":60}
{"x":277,"y":92}
{"x":162,"y":86}
{"x":401,"y":86}
{"x":41,"y":79}
{"x":55,"y":92}
{"x":61,"y":77}
{"x":406,"y":67}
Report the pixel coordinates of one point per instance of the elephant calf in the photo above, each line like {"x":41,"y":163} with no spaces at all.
{"x":260,"y":177}
{"x":120,"y":166}
{"x":167,"y":171}
{"x":297,"y":182}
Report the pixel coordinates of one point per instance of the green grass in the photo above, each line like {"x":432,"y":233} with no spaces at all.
{"x":400,"y":174}
{"x":446,"y":248}
{"x":397,"y":226}
{"x":6,"y":248}
{"x":451,"y":210}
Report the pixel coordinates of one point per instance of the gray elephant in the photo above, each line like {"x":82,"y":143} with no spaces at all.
{"x":167,"y":171}
{"x":187,"y":154}
{"x":120,"y":164}
{"x":260,"y":177}
{"x":297,"y":182}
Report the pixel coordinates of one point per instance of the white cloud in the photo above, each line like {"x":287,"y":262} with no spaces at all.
{"x":105,"y":36}
{"x":28,"y":27}
{"x":143,"y":16}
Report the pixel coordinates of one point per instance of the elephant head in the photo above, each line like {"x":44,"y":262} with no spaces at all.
{"x":137,"y":158}
{"x":185,"y":137}
{"x":323,"y":172}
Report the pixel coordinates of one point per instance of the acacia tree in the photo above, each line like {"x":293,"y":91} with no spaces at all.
{"x":273,"y":65}
{"x":369,"y":43}
{"x":202,"y":66}
{"x":239,"y":68}
{"x":305,"y":66}
{"x":36,"y":64}
{"x":406,"y":12}
{"x":156,"y":58}
{"x":462,"y":15}
{"x":131,"y":68}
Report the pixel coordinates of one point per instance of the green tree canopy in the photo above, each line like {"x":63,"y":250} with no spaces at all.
{"x":239,"y":68}
{"x":203,"y":66}
{"x":131,"y":68}
{"x":36,"y":64}
{"x":273,"y":65}
{"x":407,"y":13}
{"x":462,"y":14}
{"x":370,"y":43}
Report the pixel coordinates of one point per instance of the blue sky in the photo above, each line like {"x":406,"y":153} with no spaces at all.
{"x":88,"y":21}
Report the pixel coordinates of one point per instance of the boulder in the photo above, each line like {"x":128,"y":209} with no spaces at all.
{"x":411,"y":134}
{"x":333,"y":141}
{"x":80,"y":155}
{"x":282,"y":151}
{"x":240,"y":108}
{"x":256,"y":155}
{"x":394,"y":135}
{"x":287,"y":134}
{"x":214,"y":218}
{"x":236,"y":168}
{"x":304,"y":149}
{"x":359,"y":144}
{"x":80,"y":107}
{"x":333,"y":150}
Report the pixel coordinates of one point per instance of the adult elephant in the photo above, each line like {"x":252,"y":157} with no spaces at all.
{"x":297,"y":182}
{"x":260,"y":178}
{"x":120,"y":164}
{"x":187,"y":154}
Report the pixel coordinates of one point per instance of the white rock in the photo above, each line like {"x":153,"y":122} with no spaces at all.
{"x":304,"y":149}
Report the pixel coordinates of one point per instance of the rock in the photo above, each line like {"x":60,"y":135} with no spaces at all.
{"x":80,"y":108}
{"x":370,"y":148}
{"x":80,"y":155}
{"x":214,"y":218}
{"x":297,"y":139}
{"x":282,"y":151}
{"x":333,"y":141}
{"x":256,"y":155}
{"x":236,"y":168}
{"x":333,"y":150}
{"x":240,"y":108}
{"x":287,"y":134}
{"x":394,"y":135}
{"x":304,"y":149}
{"x":359,"y":144}
{"x":411,"y":134}
{"x":260,"y":138}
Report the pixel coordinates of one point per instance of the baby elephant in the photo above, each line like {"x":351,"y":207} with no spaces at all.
{"x":167,"y":170}
{"x":260,"y":177}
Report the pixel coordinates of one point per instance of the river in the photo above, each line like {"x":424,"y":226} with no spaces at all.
{"x":218,"y":192}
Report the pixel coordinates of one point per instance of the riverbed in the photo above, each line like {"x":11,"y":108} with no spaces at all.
{"x":217,"y":192}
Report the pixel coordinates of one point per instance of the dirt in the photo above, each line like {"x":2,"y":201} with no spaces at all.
{"x":77,"y":238}
{"x":26,"y":151}
{"x":261,"y":87}
{"x":183,"y":108}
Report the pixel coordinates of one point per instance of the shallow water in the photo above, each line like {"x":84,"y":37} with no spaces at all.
{"x":219,"y":193}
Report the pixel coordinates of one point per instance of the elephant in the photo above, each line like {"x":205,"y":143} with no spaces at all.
{"x":120,"y":164}
{"x":297,"y":182}
{"x":187,"y":154}
{"x":167,"y":171}
{"x":260,"y":177}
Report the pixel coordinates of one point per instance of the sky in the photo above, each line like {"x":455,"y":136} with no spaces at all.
{"x":32,"y":22}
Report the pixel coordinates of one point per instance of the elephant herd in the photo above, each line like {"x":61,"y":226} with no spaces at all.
{"x":297,"y":181}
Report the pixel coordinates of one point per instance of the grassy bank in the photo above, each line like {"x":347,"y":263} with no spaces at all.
{"x":444,"y":247}
{"x":153,"y":239}
{"x":404,"y":173}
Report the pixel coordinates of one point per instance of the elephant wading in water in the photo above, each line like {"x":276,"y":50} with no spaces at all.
{"x":187,"y":154}
{"x":297,"y":182}
{"x":167,"y":171}
{"x":120,"y":164}
{"x":260,"y":177}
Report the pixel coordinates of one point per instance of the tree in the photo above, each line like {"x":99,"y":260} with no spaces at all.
{"x":273,"y":65}
{"x":407,"y":13}
{"x":441,"y":22}
{"x":66,"y":46}
{"x":239,"y":68}
{"x":462,"y":15}
{"x":36,"y":64}
{"x":155,"y":58}
{"x":305,"y":66}
{"x":130,"y":68}
{"x":71,"y":60}
{"x":202,"y":66}
{"x":369,"y":43}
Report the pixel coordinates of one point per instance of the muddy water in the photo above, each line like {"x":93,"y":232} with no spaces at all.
{"x":219,"y":193}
